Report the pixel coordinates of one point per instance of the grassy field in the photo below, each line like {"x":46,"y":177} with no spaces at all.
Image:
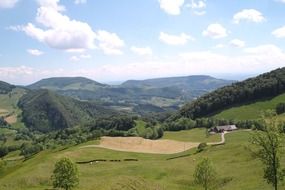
{"x":250,"y":111}
{"x":194,"y":135}
{"x":236,"y":168}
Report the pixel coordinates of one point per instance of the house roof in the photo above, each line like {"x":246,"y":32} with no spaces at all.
{"x":227,"y":127}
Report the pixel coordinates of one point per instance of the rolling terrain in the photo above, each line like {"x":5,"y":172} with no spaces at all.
{"x":153,"y":95}
{"x":151,"y":171}
{"x":261,"y":88}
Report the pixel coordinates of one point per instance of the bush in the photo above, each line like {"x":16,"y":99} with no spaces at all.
{"x":3,"y":151}
{"x":280,"y":108}
{"x":201,"y":147}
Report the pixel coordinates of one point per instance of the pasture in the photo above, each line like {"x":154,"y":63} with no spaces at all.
{"x":151,"y":171}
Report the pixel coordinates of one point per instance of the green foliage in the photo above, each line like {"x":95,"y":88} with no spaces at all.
{"x":269,"y":144}
{"x":5,"y":88}
{"x":65,"y":174}
{"x":280,"y":108}
{"x":3,"y":151}
{"x":205,"y":174}
{"x":264,"y":86}
{"x":142,"y":97}
{"x":28,"y":149}
{"x":201,"y":147}
{"x":46,"y":111}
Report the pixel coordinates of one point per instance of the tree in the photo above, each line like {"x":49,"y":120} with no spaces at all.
{"x":3,"y":151}
{"x":205,"y":174}
{"x":268,"y":144}
{"x":65,"y":174}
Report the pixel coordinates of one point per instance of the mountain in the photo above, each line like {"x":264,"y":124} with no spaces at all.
{"x":262,"y":87}
{"x":67,"y":83}
{"x":6,"y":87}
{"x":162,"y":94}
{"x":195,"y":82}
{"x":44,"y":111}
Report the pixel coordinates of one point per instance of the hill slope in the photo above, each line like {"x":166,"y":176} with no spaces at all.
{"x":267,"y":85}
{"x":157,"y":95}
{"x":5,"y":87}
{"x":66,"y":83}
{"x":251,"y":111}
{"x":45,"y":111}
{"x":195,"y":82}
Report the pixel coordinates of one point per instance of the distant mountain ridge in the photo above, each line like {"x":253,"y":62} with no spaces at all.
{"x":164,"y":94}
{"x":66,"y":83}
{"x":195,"y":82}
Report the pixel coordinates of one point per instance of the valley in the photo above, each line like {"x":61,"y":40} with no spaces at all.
{"x":135,"y":151}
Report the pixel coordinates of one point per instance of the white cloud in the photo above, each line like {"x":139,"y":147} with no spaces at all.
{"x":80,"y":2}
{"x":172,"y":7}
{"x":254,"y":60}
{"x":215,"y":31}
{"x":76,"y":58}
{"x":8,"y":3}
{"x":219,"y":46}
{"x":280,"y":32}
{"x":237,"y":43}
{"x":60,"y":32}
{"x":35,"y":52}
{"x":143,"y":51}
{"x":110,"y":43}
{"x":250,"y":15}
{"x":180,"y":39}
{"x":282,"y":1}
{"x":198,"y":7}
{"x":262,"y":50}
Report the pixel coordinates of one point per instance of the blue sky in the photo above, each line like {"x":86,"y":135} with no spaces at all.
{"x":116,"y":40}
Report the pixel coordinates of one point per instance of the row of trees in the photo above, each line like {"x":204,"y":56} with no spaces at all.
{"x":184,"y":123}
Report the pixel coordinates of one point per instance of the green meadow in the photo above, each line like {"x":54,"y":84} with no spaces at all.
{"x":250,"y":111}
{"x":236,"y":168}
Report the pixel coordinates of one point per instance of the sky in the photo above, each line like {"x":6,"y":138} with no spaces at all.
{"x":117,"y":40}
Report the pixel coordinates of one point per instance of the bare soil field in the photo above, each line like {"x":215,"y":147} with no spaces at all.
{"x":11,"y":119}
{"x":141,"y":145}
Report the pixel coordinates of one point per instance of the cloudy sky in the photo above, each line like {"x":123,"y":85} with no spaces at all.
{"x":115,"y":40}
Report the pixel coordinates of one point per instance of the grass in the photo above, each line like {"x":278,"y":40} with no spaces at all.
{"x":194,"y":135}
{"x":234,"y":164}
{"x":250,"y":111}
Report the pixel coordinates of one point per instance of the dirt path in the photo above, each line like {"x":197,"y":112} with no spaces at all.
{"x":223,"y":140}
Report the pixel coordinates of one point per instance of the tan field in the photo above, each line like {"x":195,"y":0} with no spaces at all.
{"x":11,"y":119}
{"x":138,"y":144}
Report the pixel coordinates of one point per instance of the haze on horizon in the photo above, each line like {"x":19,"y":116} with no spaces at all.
{"x":119,"y":40}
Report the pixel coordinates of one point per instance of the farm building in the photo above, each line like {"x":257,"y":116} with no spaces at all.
{"x":220,"y":129}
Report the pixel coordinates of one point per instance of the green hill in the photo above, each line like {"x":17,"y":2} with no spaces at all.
{"x":151,"y":171}
{"x":195,"y":82}
{"x":45,"y":111}
{"x":156,"y":95}
{"x":265,"y":86}
{"x":66,"y":83}
{"x":252,"y":110}
{"x":5,"y":87}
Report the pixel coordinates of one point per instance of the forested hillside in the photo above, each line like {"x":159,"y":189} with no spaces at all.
{"x":265,"y":86}
{"x":66,"y":83}
{"x":5,"y":87}
{"x":195,"y":82}
{"x":157,"y":95}
{"x":45,"y":111}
